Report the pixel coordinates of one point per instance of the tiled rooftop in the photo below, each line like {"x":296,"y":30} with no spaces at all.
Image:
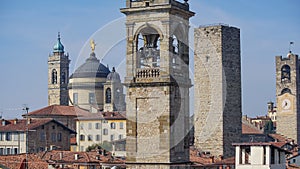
{"x":58,"y":110}
{"x":22,"y":125}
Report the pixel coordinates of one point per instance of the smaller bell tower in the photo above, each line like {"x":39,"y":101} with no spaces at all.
{"x":114,"y":99}
{"x":58,"y":75}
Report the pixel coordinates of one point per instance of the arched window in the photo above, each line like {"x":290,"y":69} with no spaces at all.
{"x":286,"y":90}
{"x":108,"y":95}
{"x":82,"y":137}
{"x":175,"y":44}
{"x":285,"y":73}
{"x":54,"y":76}
{"x":148,"y":48}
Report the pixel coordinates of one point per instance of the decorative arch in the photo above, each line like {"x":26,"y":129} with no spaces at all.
{"x":54,"y":76}
{"x":147,"y":25}
{"x":147,"y":41}
{"x":286,"y":90}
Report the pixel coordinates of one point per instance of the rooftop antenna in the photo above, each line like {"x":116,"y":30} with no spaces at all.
{"x":290,"y":47}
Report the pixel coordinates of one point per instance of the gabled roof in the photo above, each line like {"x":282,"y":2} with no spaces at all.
{"x":22,"y":124}
{"x":58,"y":110}
{"x":280,"y":138}
{"x":250,"y":129}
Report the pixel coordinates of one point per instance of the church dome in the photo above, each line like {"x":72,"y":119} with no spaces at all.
{"x":92,"y":68}
{"x":58,"y":47}
{"x":113,"y":76}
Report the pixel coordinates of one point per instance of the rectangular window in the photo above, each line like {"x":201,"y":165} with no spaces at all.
{"x":105,"y":131}
{"x":82,"y":138}
{"x":90,"y":138}
{"x":59,"y":137}
{"x":120,"y":136}
{"x":1,"y":151}
{"x":8,"y":136}
{"x":272,"y":156}
{"x":90,"y":126}
{"x":81,"y":126}
{"x":97,"y":125}
{"x":16,"y":136}
{"x":112,"y":137}
{"x":21,"y":136}
{"x":8,"y":151}
{"x":91,"y":98}
{"x":113,"y":125}
{"x":42,"y":136}
{"x":97,"y":137}
{"x":53,"y":137}
{"x":121,"y":125}
{"x":75,"y":98}
{"x":15,"y":151}
{"x":81,"y":148}
{"x":1,"y":136}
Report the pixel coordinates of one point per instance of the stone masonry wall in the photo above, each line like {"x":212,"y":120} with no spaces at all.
{"x":217,"y":89}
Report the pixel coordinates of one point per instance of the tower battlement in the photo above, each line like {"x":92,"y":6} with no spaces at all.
{"x":148,"y":3}
{"x":290,"y":56}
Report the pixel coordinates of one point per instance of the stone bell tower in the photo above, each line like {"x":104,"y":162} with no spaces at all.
{"x":58,"y":75}
{"x":157,"y":81}
{"x":287,"y":96}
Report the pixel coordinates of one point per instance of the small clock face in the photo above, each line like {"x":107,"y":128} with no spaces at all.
{"x":286,"y":104}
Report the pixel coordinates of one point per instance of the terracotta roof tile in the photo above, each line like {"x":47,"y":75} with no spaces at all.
{"x":18,"y":161}
{"x":209,"y":160}
{"x":59,"y":110}
{"x":250,"y":129}
{"x":21,"y":124}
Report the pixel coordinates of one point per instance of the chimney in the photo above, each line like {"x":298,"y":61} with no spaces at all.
{"x":3,"y":122}
{"x":29,"y":121}
{"x":61,"y":155}
{"x":15,"y":121}
{"x":212,"y":159}
{"x":97,"y":157}
{"x":76,"y":156}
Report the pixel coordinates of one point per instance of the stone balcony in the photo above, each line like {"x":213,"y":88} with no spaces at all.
{"x":147,"y":74}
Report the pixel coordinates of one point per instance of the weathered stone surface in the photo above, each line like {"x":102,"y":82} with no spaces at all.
{"x":287,"y":91}
{"x":157,"y":99}
{"x":58,"y":91}
{"x":217,"y":89}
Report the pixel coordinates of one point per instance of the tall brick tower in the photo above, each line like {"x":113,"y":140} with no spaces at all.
{"x":58,"y":75}
{"x":287,"y":93}
{"x":157,"y":81}
{"x":218,"y":113}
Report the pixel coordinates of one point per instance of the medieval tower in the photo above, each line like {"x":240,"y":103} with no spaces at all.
{"x":157,"y":81}
{"x":58,"y":75}
{"x":287,"y":96}
{"x":218,"y":113}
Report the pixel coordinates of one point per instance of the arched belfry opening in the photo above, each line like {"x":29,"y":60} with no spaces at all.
{"x":148,"y":48}
{"x":285,"y":73}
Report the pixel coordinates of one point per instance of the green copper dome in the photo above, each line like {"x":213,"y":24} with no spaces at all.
{"x":58,"y":47}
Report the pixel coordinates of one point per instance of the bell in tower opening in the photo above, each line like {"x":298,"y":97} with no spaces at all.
{"x":148,"y":48}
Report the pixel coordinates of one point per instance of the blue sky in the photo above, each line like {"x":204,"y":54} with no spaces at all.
{"x":28,"y":31}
